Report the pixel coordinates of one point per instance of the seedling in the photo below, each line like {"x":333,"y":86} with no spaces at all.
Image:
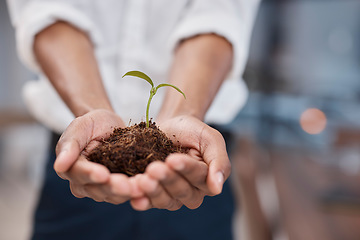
{"x":153,"y":89}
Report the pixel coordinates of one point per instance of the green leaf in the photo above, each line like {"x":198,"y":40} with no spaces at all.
{"x":140,"y":75}
{"x":169,"y":85}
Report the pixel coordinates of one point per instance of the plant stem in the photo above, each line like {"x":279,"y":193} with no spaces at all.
{"x":153,"y":89}
{"x":152,"y":93}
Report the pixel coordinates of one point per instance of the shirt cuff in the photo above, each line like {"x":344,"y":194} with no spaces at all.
{"x":37,"y":16}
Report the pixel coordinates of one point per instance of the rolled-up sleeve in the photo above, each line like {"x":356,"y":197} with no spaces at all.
{"x":231,"y":19}
{"x":31,"y":17}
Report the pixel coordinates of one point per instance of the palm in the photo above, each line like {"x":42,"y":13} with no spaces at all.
{"x":95,"y":127}
{"x":205,"y":144}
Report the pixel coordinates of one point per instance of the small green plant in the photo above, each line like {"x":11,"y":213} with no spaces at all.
{"x":153,"y":89}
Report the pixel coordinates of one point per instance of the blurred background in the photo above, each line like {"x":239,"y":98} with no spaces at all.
{"x":298,"y":137}
{"x":23,"y":142}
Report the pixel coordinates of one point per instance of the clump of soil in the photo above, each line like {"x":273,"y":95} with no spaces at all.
{"x":129,"y":150}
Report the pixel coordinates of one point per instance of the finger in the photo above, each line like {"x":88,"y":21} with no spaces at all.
{"x":193,"y":170}
{"x":95,"y":192}
{"x":86,"y":172}
{"x":157,"y":195}
{"x":77,"y":190}
{"x":118,"y":189}
{"x":136,"y":191}
{"x":213,"y":149}
{"x":68,"y":154}
{"x":139,"y":200}
{"x":141,"y":204}
{"x":71,"y":143}
{"x":104,"y":193}
{"x":174,"y":184}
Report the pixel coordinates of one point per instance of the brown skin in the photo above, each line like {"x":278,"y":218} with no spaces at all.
{"x":200,"y":65}
{"x":66,"y":57}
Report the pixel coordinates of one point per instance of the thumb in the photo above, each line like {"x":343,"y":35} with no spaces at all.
{"x":68,"y":153}
{"x":215,"y":155}
{"x":72,"y":142}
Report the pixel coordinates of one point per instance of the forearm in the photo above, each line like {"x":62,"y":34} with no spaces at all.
{"x":66,"y":56}
{"x":200,"y":66}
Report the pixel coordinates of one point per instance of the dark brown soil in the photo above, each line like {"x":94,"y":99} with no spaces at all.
{"x":129,"y":150}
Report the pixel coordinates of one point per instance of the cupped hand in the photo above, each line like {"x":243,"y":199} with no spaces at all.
{"x":89,"y":179}
{"x":185,"y":179}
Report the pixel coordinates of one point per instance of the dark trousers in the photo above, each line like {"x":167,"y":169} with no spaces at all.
{"x":60,"y":215}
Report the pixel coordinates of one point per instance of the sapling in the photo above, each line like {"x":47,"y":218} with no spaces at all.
{"x":131,"y":149}
{"x":153,"y":89}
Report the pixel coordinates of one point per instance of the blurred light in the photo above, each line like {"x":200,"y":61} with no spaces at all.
{"x":313,"y":121}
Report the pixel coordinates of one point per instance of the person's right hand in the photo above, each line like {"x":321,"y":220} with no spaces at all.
{"x":89,"y":179}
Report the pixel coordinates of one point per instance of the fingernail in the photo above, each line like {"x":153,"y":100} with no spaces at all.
{"x":58,"y":164}
{"x":220,"y":177}
{"x":219,"y":180}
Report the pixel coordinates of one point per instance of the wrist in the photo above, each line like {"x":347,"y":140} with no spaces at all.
{"x":82,"y":109}
{"x":173,"y":113}
{"x":175,"y":105}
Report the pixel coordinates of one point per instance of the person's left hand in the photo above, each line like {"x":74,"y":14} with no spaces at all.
{"x":185,"y":179}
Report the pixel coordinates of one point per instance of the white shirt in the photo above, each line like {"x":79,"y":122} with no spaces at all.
{"x":134,"y":35}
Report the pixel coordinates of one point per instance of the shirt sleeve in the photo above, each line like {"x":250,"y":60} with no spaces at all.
{"x":231,"y":19}
{"x":30,"y":17}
